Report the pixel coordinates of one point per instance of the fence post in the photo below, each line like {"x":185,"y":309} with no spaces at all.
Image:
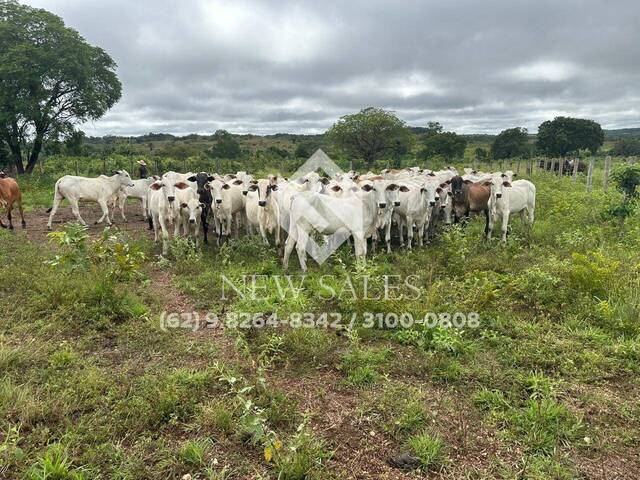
{"x":76,"y":166}
{"x":518,"y":167}
{"x":576,"y":163}
{"x":560,"y":166}
{"x":590,"y":174}
{"x":607,"y":170}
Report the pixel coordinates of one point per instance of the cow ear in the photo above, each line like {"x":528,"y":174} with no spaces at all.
{"x":392,"y":187}
{"x":274,"y":187}
{"x":181,"y":185}
{"x":404,"y":188}
{"x":237,"y":182}
{"x":367,"y":187}
{"x":468,"y":182}
{"x":503,"y":175}
{"x":449,"y":193}
{"x":253,"y":188}
{"x":207,"y":186}
{"x":226,"y":186}
{"x":231,"y":175}
{"x":183,"y":205}
{"x":488,"y":183}
{"x":324,"y":180}
{"x":439,"y":190}
{"x":506,"y":184}
{"x":431,"y":174}
{"x":210,"y":178}
{"x":155,"y":186}
{"x":254,"y":182}
{"x":336,"y":188}
{"x":192,"y":178}
{"x":514,"y":175}
{"x":448,"y":182}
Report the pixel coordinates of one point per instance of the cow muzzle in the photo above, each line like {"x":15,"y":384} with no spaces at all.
{"x":192,"y":220}
{"x":498,"y":195}
{"x":382,"y":205}
{"x":244,"y":192}
{"x":171,"y":199}
{"x":432,"y":203}
{"x":218,"y":201}
{"x":396,"y":204}
{"x":262,"y":203}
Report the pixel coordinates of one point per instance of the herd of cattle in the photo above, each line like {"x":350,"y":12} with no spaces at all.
{"x":414,"y":201}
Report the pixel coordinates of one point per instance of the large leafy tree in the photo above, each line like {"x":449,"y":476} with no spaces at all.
{"x":566,"y":135}
{"x":226,"y":146}
{"x":370,"y":134}
{"x":446,"y":144}
{"x":510,"y":143}
{"x":50,"y":80}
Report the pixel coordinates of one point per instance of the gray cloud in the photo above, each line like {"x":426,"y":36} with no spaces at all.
{"x":296,"y":66}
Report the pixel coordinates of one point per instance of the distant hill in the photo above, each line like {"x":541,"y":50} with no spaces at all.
{"x":622,"y":133}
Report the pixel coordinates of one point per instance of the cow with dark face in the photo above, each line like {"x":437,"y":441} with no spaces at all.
{"x":202,"y":180}
{"x":470,"y":198}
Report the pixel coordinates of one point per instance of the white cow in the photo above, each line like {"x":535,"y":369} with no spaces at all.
{"x":98,"y":190}
{"x":189,"y":213}
{"x":355,"y":216}
{"x":262,"y":208}
{"x":509,"y":198}
{"x":228,"y":203}
{"x":139,"y":190}
{"x":160,"y":202}
{"x":416,"y":203}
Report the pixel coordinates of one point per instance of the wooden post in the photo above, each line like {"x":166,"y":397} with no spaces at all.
{"x":560,"y":166}
{"x":607,"y":171}
{"x":76,"y":166}
{"x":576,"y":164}
{"x":518,"y":167}
{"x":590,"y":174}
{"x":157,"y":166}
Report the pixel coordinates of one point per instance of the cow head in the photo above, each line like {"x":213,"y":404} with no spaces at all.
{"x":172,"y":181}
{"x":264,"y":189}
{"x":124,"y":178}
{"x":202,"y":180}
{"x":457,"y":187}
{"x":192,"y":208}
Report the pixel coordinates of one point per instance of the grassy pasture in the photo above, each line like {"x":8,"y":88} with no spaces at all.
{"x":547,"y":386}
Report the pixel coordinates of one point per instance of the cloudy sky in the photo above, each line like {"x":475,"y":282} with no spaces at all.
{"x":297,"y":66}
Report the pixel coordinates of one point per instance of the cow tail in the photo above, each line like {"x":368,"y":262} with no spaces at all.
{"x":56,"y":194}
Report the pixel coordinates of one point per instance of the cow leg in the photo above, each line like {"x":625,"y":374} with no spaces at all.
{"x":401,"y":235}
{"x":289,"y":244}
{"x":121,"y":202}
{"x":165,"y":235}
{"x":205,"y":225}
{"x":76,"y":211}
{"x":420,"y":235}
{"x":144,"y":208}
{"x":176,"y":224}
{"x":360,"y":247}
{"x":387,"y":235}
{"x":505,"y":226}
{"x":492,"y":221}
{"x":24,"y":224}
{"x":263,"y":232}
{"x":153,"y":225}
{"x":301,"y":248}
{"x":56,"y":204}
{"x":9,"y":209}
{"x":105,"y":212}
{"x":409,"y":232}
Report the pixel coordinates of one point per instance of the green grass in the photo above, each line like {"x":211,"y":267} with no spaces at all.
{"x":92,"y":387}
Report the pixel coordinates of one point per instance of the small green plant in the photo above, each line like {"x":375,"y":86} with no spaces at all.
{"x":303,"y":457}
{"x":55,"y":464}
{"x":72,"y":241}
{"x":122,"y":259}
{"x":194,"y":452}
{"x":429,"y":449}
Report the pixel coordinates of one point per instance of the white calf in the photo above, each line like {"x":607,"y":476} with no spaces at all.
{"x":262,"y":208}
{"x":98,"y":190}
{"x":351,"y":216}
{"x":509,"y":198}
{"x":139,"y":190}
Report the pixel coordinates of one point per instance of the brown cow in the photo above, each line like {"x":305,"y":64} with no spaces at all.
{"x":10,"y":195}
{"x":470,"y":198}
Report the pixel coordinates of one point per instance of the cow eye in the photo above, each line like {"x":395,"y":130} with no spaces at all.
{"x":183,"y":205}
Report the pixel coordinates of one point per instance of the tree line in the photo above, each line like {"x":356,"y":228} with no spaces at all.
{"x":52,"y":80}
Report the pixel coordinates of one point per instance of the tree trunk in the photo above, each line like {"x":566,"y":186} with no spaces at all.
{"x":35,"y":152}
{"x":16,"y":153}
